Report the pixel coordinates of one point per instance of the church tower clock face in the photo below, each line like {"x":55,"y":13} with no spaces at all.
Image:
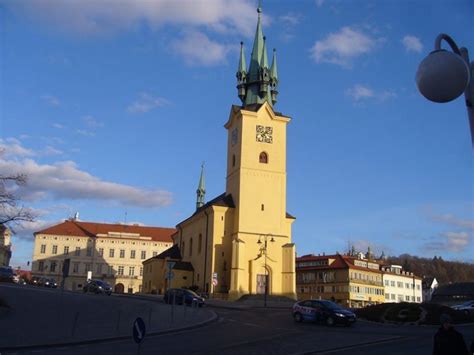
{"x":264,"y":134}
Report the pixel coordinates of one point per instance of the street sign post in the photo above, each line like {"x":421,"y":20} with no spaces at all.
{"x":170,"y":275}
{"x":139,"y":332}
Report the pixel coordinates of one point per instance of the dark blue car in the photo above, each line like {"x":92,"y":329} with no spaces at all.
{"x":322,"y":311}
{"x":181,"y":295}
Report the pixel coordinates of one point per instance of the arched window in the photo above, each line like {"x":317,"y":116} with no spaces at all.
{"x":191,"y":247}
{"x":233,"y":160}
{"x":199,"y":243}
{"x":263,"y":158}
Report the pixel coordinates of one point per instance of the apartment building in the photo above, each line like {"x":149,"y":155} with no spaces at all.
{"x":111,"y":252}
{"x":5,"y":245}
{"x":348,"y":280}
{"x":400,"y":285}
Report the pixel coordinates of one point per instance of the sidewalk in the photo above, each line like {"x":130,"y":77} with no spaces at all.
{"x":40,"y":317}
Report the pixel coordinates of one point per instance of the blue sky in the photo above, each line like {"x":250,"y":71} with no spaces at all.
{"x":110,"y":108}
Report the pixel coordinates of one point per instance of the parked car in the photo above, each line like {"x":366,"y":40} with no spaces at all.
{"x":6,"y":274}
{"x":35,"y":280}
{"x":466,"y":307}
{"x":97,"y":286}
{"x":322,"y":311}
{"x":181,"y":295}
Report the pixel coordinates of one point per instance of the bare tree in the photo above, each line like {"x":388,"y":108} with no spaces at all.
{"x":10,"y":211}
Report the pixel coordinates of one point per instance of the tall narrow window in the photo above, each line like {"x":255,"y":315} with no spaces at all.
{"x":233,"y":160}
{"x":263,"y":158}
{"x":199,"y":243}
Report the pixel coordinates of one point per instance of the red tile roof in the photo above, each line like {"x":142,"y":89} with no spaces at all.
{"x":91,"y":229}
{"x":340,"y":262}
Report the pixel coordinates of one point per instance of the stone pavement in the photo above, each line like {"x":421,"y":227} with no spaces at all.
{"x":40,"y":316}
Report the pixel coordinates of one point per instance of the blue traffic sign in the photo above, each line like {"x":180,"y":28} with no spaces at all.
{"x":139,"y":330}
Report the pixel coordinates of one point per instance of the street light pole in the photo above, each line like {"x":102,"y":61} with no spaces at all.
{"x":264,"y":251}
{"x":443,"y":76}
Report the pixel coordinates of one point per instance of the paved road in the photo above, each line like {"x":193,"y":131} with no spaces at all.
{"x":264,"y":331}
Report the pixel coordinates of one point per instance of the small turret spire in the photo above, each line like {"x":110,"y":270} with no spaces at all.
{"x":274,"y":78}
{"x":241,"y":73}
{"x":201,"y":190}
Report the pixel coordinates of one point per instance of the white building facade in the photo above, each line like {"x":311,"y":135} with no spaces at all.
{"x":400,"y":285}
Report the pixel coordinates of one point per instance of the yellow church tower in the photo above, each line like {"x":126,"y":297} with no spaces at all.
{"x":263,"y":256}
{"x":239,"y":242}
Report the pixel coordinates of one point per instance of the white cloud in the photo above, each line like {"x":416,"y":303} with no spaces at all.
{"x":85,"y":132}
{"x":454,"y":221}
{"x":92,"y":17}
{"x":58,"y":125}
{"x":197,"y":49}
{"x":51,"y":151}
{"x":13,"y":147}
{"x":412,"y":43}
{"x":343,"y":47}
{"x":51,"y":100}
{"x":91,"y":122}
{"x":362,"y":92}
{"x":319,"y":3}
{"x":291,"y":19}
{"x":64,"y":180}
{"x":455,"y":242}
{"x":146,"y":102}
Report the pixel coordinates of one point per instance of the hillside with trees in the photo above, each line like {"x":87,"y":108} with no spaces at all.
{"x":444,"y":271}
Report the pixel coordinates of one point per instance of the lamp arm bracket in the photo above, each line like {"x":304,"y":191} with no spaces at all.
{"x":448,"y":39}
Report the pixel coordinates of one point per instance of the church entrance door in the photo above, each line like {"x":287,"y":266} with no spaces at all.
{"x":261,"y":284}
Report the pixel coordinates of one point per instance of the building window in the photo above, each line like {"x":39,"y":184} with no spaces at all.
{"x":143,"y":255}
{"x":66,"y":250}
{"x":132,"y":254}
{"x":418,"y":299}
{"x":88,"y":267}
{"x":386,"y":282}
{"x":233,"y":160}
{"x":52,"y":267}
{"x":75,"y":267}
{"x":262,"y":207}
{"x":407,"y":298}
{"x":111,"y":253}
{"x":43,"y":248}
{"x":200,"y":243}
{"x":101,"y":251}
{"x":407,"y":285}
{"x":191,"y":247}
{"x":263,"y":158}
{"x":89,"y":251}
{"x":392,"y":283}
{"x":120,"y":270}
{"x":122,"y":253}
{"x":99,"y":268}
{"x":400,"y":284}
{"x":131,"y":271}
{"x":78,"y":251}
{"x":418,"y":287}
{"x":41,"y":266}
{"x":155,"y":253}
{"x":55,"y":249}
{"x":110,"y":270}
{"x":141,"y":270}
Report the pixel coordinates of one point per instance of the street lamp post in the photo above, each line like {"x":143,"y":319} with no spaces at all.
{"x":263,"y":249}
{"x":443,"y":76}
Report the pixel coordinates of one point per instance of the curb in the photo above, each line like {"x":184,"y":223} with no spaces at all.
{"x":213,"y":318}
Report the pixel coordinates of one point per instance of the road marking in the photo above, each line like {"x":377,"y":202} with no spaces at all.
{"x":356,"y":346}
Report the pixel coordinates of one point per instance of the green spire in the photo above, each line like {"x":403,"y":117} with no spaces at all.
{"x":257,"y":49}
{"x":264,"y":60}
{"x":241,"y":73}
{"x":201,"y":190}
{"x":274,"y":70}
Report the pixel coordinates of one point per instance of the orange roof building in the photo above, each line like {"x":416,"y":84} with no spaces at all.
{"x":111,"y":252}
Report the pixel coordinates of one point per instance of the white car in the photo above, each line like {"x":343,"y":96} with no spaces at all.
{"x":467,"y":307}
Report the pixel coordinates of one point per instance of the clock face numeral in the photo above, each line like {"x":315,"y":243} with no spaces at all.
{"x":235,"y":136}
{"x":264,"y":134}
